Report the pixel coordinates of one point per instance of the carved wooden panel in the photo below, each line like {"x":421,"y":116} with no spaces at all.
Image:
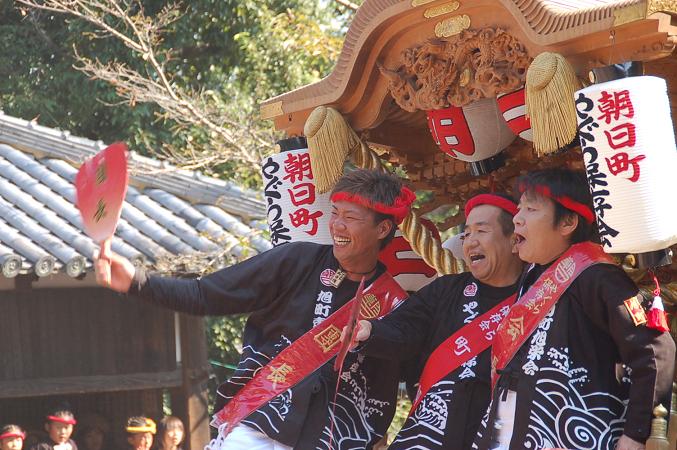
{"x":457,"y":71}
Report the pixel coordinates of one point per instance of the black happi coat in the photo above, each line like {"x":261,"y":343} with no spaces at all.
{"x":572,"y":389}
{"x":449,"y":415}
{"x":282,"y":290}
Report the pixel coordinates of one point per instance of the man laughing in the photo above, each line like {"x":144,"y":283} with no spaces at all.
{"x":448,"y":327}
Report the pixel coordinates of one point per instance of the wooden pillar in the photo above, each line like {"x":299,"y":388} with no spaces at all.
{"x":190,"y":402}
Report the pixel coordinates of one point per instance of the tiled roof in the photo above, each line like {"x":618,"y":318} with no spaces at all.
{"x":169,"y":216}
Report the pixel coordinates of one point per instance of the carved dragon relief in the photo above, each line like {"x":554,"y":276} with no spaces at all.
{"x":472,"y":65}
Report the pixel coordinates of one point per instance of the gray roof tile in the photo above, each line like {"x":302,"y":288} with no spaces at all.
{"x":166,"y":214}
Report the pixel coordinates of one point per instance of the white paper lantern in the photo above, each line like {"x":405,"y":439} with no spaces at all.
{"x":455,"y":245}
{"x":472,"y":133}
{"x":628,"y":144}
{"x":513,"y":108}
{"x":296,"y":211}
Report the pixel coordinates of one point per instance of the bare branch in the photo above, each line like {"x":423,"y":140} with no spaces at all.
{"x":229,"y":138}
{"x":348,"y":4}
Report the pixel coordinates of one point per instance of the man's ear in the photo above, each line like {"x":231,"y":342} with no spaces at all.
{"x":384,"y":228}
{"x":568,"y":224}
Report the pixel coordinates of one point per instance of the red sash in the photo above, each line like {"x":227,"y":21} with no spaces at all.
{"x":532,"y":307}
{"x":460,"y":347}
{"x":308,"y":353}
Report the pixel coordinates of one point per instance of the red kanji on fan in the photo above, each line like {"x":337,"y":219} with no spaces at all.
{"x":298,"y":167}
{"x":613,"y":106}
{"x":624,"y":137}
{"x":302,"y":194}
{"x":302,"y":217}
{"x":101,"y":185}
{"x":621,"y":162}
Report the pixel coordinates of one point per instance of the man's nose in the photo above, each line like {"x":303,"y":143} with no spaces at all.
{"x":338,"y":223}
{"x":470,"y":241}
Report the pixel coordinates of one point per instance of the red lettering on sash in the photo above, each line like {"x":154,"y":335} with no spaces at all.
{"x":532,"y":307}
{"x":459,"y":348}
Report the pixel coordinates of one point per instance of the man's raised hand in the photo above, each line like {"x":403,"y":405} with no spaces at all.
{"x":112,"y":270}
{"x":362,"y":334}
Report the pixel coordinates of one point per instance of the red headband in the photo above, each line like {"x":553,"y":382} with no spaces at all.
{"x":493,"y":200}
{"x":62,"y":420}
{"x":399,"y":209}
{"x":569,"y":203}
{"x":13,"y":434}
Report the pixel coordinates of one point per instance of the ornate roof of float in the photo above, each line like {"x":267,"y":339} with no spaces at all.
{"x":589,"y":33}
{"x":172,"y":220}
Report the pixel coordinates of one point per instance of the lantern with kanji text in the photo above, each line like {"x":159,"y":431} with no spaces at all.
{"x":628,"y":144}
{"x":295,"y":211}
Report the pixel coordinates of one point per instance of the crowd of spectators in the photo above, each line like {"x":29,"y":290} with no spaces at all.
{"x":62,"y":431}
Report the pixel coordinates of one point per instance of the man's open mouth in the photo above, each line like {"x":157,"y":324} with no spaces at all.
{"x":475,"y":257}
{"x":340,"y":241}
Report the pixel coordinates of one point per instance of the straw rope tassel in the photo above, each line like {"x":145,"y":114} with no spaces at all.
{"x":550,"y":86}
{"x":330,"y":142}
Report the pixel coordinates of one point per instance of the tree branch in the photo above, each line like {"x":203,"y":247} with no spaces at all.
{"x":348,"y":4}
{"x":229,"y":137}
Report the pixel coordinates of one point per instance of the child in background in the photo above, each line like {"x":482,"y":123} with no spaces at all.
{"x":170,"y":433}
{"x":93,"y":432}
{"x":59,"y":426}
{"x":140,"y":431}
{"x":11,"y":437}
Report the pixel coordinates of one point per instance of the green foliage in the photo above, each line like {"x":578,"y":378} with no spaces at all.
{"x":297,"y":50}
{"x":226,"y":338}
{"x":37,"y":79}
{"x":236,"y":53}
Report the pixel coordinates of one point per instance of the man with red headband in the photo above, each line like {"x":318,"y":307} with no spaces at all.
{"x":59,"y":425}
{"x":574,"y":364}
{"x":299,"y":296}
{"x":447,"y":327}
